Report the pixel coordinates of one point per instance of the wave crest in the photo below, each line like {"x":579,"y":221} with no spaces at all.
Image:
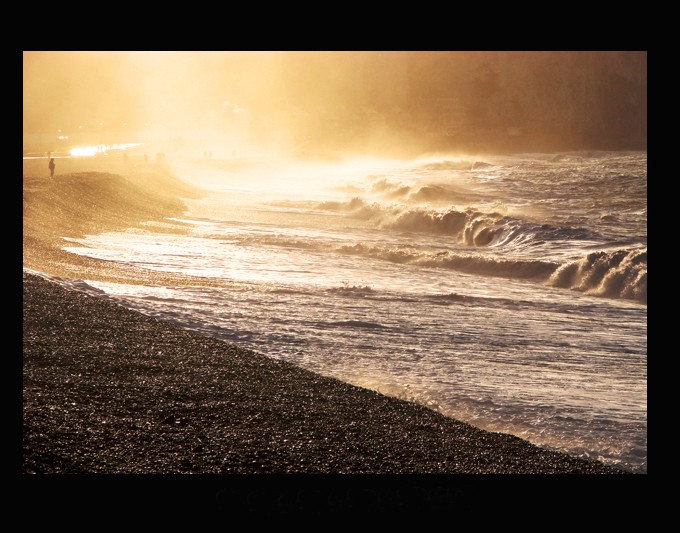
{"x":471,"y":264}
{"x":471,"y":227}
{"x":617,"y":274}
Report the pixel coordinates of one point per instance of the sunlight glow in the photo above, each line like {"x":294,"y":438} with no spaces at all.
{"x":89,"y":151}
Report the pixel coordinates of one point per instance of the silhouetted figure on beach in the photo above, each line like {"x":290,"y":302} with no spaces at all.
{"x":51,"y":167}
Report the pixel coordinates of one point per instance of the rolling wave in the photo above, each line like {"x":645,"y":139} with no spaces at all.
{"x":470,"y":226}
{"x":617,"y":274}
{"x":614,"y":274}
{"x":420,"y":192}
{"x":468,"y":263}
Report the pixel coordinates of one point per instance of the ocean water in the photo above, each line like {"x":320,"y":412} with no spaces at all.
{"x":506,"y":291}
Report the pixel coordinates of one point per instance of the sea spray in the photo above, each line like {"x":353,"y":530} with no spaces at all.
{"x":621,"y":273}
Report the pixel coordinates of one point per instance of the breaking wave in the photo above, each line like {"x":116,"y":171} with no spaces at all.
{"x":617,"y":274}
{"x":472,"y":264}
{"x":613,"y":274}
{"x":470,"y":226}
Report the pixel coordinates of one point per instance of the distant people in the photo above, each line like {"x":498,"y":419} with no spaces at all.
{"x":51,"y":167}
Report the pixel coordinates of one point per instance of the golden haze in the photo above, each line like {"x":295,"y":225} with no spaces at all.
{"x":316,"y":101}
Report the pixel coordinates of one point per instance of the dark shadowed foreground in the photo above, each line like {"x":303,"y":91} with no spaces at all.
{"x":109,"y":390}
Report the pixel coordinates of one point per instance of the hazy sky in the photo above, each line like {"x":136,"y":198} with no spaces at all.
{"x":178,"y":87}
{"x":67,"y":88}
{"x":201,"y":91}
{"x":537,"y":92}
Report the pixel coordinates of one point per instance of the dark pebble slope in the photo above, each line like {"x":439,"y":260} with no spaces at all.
{"x":109,"y":390}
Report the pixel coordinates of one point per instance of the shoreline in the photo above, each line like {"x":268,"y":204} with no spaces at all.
{"x":109,"y":390}
{"x":96,"y":374}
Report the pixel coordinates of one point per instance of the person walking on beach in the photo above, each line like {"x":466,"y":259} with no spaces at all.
{"x":51,"y":166}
